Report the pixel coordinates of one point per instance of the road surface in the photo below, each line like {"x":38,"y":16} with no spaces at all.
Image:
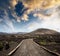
{"x":30,"y":48}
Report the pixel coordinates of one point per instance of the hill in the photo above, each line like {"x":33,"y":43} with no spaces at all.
{"x":44,"y":32}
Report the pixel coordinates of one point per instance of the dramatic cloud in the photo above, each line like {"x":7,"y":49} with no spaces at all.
{"x":39,"y":5}
{"x":36,"y":4}
{"x":28,"y":15}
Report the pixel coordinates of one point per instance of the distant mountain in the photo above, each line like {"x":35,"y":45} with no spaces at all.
{"x":21,"y":33}
{"x":36,"y":32}
{"x":3,"y":33}
{"x":44,"y":31}
{"x":18,"y":33}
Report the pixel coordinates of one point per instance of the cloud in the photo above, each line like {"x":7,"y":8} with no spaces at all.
{"x":40,"y":5}
{"x":50,"y":22}
{"x":18,"y":19}
{"x":13,"y":3}
{"x":36,"y":4}
{"x":25,"y":17}
{"x":33,"y":26}
{"x":8,"y":22}
{"x":18,"y":12}
{"x":1,"y":20}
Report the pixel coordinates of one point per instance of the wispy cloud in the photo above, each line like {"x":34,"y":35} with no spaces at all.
{"x":8,"y":22}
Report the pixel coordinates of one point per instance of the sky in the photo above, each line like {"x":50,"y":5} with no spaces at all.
{"x":29,"y":15}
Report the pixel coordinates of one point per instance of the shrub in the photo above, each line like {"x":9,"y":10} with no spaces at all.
{"x":7,"y":46}
{"x":43,"y":43}
{"x":1,"y":46}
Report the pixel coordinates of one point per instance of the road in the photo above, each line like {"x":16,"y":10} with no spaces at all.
{"x":30,"y":48}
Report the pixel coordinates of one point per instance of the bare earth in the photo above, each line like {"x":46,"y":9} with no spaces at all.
{"x":30,"y":48}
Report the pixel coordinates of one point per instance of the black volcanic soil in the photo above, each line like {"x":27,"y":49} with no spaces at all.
{"x":12,"y":45}
{"x":53,"y":46}
{"x":13,"y":42}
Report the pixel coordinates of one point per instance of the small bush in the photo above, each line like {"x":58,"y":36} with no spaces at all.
{"x":6,"y":46}
{"x":1,"y":46}
{"x":43,"y":43}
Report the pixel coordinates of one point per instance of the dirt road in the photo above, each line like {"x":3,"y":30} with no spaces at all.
{"x":30,"y":48}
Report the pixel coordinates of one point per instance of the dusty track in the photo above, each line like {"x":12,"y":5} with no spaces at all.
{"x":30,"y":48}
